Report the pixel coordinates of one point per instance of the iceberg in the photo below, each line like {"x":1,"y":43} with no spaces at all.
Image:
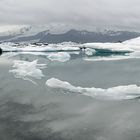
{"x":113,"y":93}
{"x":131,"y":45}
{"x":114,"y":47}
{"x":27,"y":70}
{"x":89,"y":51}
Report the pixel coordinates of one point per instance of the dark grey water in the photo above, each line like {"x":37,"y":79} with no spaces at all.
{"x":37,"y":112}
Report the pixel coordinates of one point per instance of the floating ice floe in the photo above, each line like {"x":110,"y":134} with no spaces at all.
{"x":27,"y":70}
{"x":115,"y":93}
{"x":60,"y":56}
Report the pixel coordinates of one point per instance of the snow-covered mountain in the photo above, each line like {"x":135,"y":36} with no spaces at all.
{"x":45,"y":34}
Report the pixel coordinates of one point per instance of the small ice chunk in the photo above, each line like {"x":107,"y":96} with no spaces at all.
{"x":60,"y":56}
{"x":89,"y":51}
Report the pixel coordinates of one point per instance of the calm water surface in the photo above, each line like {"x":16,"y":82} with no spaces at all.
{"x":31,"y":111}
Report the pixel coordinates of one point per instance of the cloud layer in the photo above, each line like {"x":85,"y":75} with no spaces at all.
{"x":84,"y":13}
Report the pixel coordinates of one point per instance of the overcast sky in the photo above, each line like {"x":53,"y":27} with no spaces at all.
{"x":82,"y":13}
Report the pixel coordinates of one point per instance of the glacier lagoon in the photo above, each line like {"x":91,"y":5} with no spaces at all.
{"x":81,"y":94}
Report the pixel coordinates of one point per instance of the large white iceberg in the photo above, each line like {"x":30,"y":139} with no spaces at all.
{"x":131,"y":45}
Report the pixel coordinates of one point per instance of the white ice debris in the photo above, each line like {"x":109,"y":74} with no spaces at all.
{"x":60,"y":56}
{"x":11,"y":47}
{"x":116,"y":93}
{"x":27,"y":70}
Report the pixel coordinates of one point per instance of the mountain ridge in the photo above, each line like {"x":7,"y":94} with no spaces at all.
{"x":73,"y":35}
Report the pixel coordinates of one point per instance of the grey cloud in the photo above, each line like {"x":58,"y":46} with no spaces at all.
{"x":83,"y":13}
